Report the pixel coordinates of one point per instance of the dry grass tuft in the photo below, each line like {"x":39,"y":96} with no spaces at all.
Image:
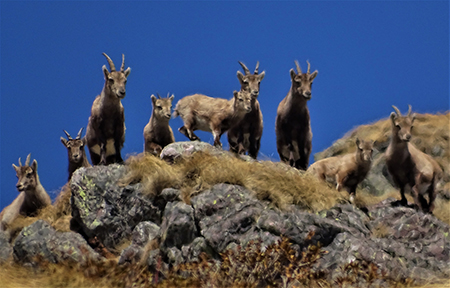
{"x":275,"y":182}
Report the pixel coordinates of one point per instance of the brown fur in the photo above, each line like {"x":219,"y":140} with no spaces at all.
{"x":348,"y":170}
{"x":76,"y":152}
{"x":246,"y":135}
{"x":157,"y":132}
{"x":292,"y":125}
{"x":105,"y":133}
{"x":409,"y":166}
{"x":216,"y":115}
{"x":32,"y":196}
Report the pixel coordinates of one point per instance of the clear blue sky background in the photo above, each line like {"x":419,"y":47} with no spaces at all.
{"x":369,"y":54}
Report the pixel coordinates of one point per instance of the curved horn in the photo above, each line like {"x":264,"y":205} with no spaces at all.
{"x":79,"y":134}
{"x":168,"y":94}
{"x":397,"y":111}
{"x":123,"y":63}
{"x":68,"y":135}
{"x":111,"y":64}
{"x":256,"y":69}
{"x":309,"y":67}
{"x":159,"y":97}
{"x":409,"y":110}
{"x":20,"y":163}
{"x":299,"y":70}
{"x":27,"y":162}
{"x":245,"y":68}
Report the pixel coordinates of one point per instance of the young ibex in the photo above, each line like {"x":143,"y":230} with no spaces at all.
{"x":409,"y":166}
{"x":292,"y":125}
{"x":75,"y":149}
{"x":246,"y":135}
{"x":32,"y":195}
{"x":105,"y":133}
{"x":157,"y":132}
{"x":348,"y":170}
{"x":216,"y":115}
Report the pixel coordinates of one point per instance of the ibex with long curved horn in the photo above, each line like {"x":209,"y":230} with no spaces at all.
{"x":409,"y":166}
{"x":157,"y":132}
{"x":76,"y":152}
{"x":292,"y":125}
{"x":105,"y":133}
{"x":246,"y":135}
{"x":32,"y":196}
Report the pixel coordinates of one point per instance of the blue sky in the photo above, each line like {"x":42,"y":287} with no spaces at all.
{"x":369,"y":54}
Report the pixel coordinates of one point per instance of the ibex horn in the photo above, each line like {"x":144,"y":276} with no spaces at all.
{"x":79,"y":134}
{"x":168,"y":94}
{"x":409,"y":110}
{"x":397,"y":111}
{"x":111,"y":64}
{"x":20,"y":163}
{"x":27,"y":162}
{"x":123,"y":63}
{"x":257,"y":67}
{"x":68,"y":135}
{"x":299,"y":70}
{"x":159,"y":97}
{"x":246,"y":71}
{"x":309,"y":67}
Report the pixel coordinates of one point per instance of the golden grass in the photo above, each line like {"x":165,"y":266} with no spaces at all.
{"x":276,"y":182}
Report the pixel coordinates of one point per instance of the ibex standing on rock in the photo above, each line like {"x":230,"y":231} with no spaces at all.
{"x":409,"y":166}
{"x":32,"y":195}
{"x":348,"y":170}
{"x":105,"y":133}
{"x":157,"y":132}
{"x":216,"y":115}
{"x":245,"y":136}
{"x":292,"y":125}
{"x":75,"y":149}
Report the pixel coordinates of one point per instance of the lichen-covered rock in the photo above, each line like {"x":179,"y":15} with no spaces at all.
{"x":105,"y":209}
{"x":178,"y":227}
{"x":40,"y":239}
{"x":173,"y":151}
{"x":5,"y":248}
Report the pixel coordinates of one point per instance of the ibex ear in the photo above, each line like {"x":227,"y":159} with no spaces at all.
{"x":235,"y":94}
{"x":64,"y":141}
{"x":292,"y":72}
{"x":171,"y":98}
{"x":240,"y":76}
{"x":313,"y":75}
{"x":153,"y":99}
{"x":16,"y":168}
{"x":357,"y":142}
{"x":261,"y":76}
{"x":105,"y":72}
{"x":34,"y":166}
{"x":127,"y":72}
{"x":393,"y":116}
{"x":413,"y":117}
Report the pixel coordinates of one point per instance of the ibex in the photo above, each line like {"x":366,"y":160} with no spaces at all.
{"x":157,"y":132}
{"x":216,"y":115}
{"x":348,"y":170}
{"x":409,"y":166}
{"x":246,"y":135}
{"x":292,"y":125}
{"x":32,"y":196}
{"x":76,"y":152}
{"x":105,"y":133}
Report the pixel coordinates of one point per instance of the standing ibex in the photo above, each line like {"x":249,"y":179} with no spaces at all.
{"x":32,"y":195}
{"x":246,"y":135}
{"x":157,"y":132}
{"x":292,"y":125}
{"x":216,"y":115}
{"x":75,"y":149}
{"x":348,"y":170}
{"x":105,"y":133}
{"x":409,"y":166}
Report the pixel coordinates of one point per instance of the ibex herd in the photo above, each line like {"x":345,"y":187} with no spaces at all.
{"x":242,"y":119}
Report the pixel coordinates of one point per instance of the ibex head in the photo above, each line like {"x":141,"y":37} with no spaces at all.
{"x":27,"y":175}
{"x":75,"y":147}
{"x":302,"y":82}
{"x":242,"y":101}
{"x":250,"y":82}
{"x":364,"y":150}
{"x":402,"y":125}
{"x":162,"y":107}
{"x":116,"y":80}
